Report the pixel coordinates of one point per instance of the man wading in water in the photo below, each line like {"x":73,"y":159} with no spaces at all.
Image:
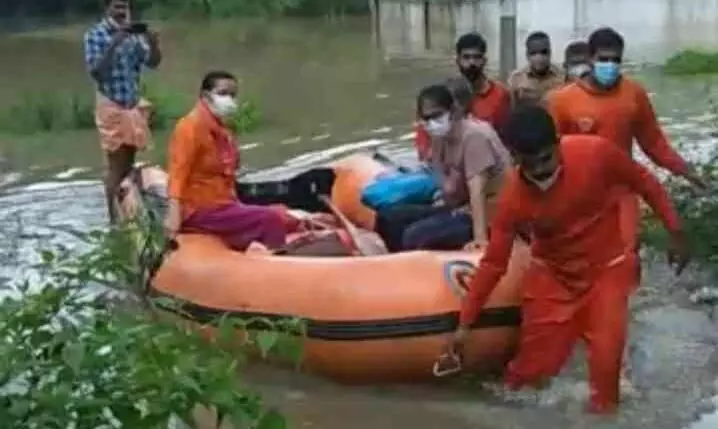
{"x":581,"y":273}
{"x":608,"y":104}
{"x":115,"y":52}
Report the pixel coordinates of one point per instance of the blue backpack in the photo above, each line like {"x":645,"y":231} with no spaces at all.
{"x":396,"y":188}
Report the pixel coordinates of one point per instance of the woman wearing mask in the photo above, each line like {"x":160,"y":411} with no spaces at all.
{"x":469,"y":161}
{"x":202,"y":160}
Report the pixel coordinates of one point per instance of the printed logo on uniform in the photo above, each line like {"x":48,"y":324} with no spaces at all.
{"x":585,"y":124}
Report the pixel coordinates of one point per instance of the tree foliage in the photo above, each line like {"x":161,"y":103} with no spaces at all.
{"x":73,"y":358}
{"x":207,"y":8}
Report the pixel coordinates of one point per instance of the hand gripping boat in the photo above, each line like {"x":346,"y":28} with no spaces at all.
{"x":369,"y":319}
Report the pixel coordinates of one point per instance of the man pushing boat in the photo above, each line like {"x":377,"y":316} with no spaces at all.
{"x":566,"y":191}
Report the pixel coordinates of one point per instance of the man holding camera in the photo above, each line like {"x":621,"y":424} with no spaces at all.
{"x":116,"y":50}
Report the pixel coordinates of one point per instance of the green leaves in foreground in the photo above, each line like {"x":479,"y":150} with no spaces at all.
{"x":698,"y":217}
{"x":73,"y":359}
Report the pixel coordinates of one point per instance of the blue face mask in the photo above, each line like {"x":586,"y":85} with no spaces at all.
{"x":606,"y":72}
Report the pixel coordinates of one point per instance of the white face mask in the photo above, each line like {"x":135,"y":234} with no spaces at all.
{"x":546,"y":183}
{"x":438,"y":127}
{"x":578,"y":70}
{"x":222,"y":105}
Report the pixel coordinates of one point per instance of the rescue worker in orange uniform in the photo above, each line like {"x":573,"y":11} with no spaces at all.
{"x":616,"y":107}
{"x":565,"y":191}
{"x":491,"y":101}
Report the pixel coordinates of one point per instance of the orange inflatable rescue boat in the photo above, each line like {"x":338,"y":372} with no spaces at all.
{"x":369,"y":319}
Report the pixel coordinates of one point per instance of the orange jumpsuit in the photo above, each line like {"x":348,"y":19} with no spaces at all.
{"x":576,"y":282}
{"x":492,"y":105}
{"x":618,"y":115}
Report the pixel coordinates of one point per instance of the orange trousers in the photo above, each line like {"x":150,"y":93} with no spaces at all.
{"x":552,"y":323}
{"x":630,"y":221}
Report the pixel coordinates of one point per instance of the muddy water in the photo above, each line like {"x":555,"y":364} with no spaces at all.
{"x":326,"y":89}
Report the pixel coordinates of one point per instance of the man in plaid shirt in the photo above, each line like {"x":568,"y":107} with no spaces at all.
{"x":116,"y":52}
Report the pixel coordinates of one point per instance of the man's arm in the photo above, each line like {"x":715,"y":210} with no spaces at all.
{"x":154,"y":58}
{"x":622,"y":170}
{"x":651,"y":138}
{"x":495,"y":260}
{"x":99,"y":54}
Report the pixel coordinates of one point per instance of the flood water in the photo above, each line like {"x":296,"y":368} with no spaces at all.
{"x":327,"y":88}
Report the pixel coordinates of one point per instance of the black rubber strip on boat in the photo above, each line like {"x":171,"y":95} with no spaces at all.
{"x":357,"y":330}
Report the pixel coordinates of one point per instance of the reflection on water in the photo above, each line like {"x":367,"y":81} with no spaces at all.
{"x":708,"y":421}
{"x":653,"y":28}
{"x":43,"y":215}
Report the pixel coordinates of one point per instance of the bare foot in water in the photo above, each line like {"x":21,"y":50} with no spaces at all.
{"x":257,"y":247}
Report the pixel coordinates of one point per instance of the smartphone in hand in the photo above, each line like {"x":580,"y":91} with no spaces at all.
{"x":138,"y":28}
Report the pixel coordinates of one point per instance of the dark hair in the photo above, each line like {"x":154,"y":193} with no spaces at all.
{"x":530,"y":129}
{"x":210,"y":79}
{"x":579,"y":47}
{"x":461,"y":91}
{"x":439,"y":94}
{"x":471,"y":41}
{"x":605,"y":38}
{"x":107,"y":3}
{"x":537,"y":35}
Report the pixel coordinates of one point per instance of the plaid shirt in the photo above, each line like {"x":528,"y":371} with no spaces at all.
{"x":121,"y":83}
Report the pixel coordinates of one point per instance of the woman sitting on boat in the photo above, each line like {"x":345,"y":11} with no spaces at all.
{"x":202,"y":160}
{"x":469,"y":161}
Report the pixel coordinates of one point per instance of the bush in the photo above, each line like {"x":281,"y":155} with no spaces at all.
{"x":194,"y":8}
{"x":692,"y":62}
{"x":71,"y":358}
{"x":75,"y":111}
{"x":698,"y":214}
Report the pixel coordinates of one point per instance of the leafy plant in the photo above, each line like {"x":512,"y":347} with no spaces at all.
{"x":194,"y":8}
{"x":73,"y":357}
{"x":47,"y":112}
{"x":63,"y":111}
{"x":698,"y":214}
{"x":692,"y":62}
{"x":168,"y":106}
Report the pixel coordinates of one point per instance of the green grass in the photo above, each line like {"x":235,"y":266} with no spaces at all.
{"x":692,"y":62}
{"x":63,"y":111}
{"x":47,"y":112}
